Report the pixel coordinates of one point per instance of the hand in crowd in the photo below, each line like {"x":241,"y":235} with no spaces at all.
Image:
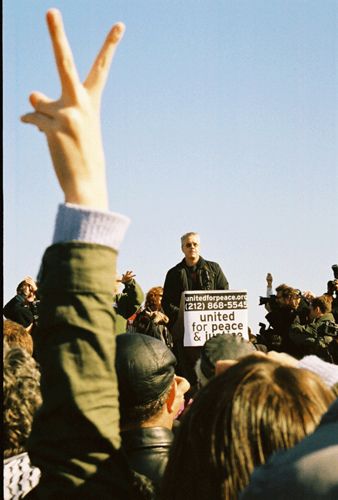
{"x":31,"y":283}
{"x":269,"y":280}
{"x":308,"y":295}
{"x":72,"y":123}
{"x":28,"y":288}
{"x":281,"y":357}
{"x":159,"y":317}
{"x":126,"y":277}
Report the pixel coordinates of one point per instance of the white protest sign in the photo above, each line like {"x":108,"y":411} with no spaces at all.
{"x":211,"y":312}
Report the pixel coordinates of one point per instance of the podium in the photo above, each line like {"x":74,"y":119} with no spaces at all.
{"x":202,"y":315}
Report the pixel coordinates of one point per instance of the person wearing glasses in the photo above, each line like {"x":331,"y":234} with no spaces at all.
{"x":192,"y":273}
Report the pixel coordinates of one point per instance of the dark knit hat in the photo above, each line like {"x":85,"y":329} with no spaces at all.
{"x":145,"y":368}
{"x":223,"y":347}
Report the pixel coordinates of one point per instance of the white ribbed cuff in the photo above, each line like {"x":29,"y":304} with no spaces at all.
{"x":75,"y":222}
{"x":327,"y":371}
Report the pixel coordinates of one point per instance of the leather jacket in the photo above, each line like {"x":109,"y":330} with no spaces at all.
{"x":147,"y":450}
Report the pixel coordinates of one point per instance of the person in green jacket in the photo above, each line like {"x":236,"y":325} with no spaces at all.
{"x":75,"y":439}
{"x":316,"y":337}
{"x":128,"y":301}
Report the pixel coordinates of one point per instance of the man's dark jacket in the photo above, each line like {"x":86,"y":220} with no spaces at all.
{"x":147,"y":451}
{"x":178,"y":279}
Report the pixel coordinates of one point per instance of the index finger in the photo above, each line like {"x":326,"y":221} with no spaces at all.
{"x":98,"y":74}
{"x":63,"y":54}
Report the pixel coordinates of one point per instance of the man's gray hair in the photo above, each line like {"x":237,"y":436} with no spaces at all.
{"x":186,"y":235}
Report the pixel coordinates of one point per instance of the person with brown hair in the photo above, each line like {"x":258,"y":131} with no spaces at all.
{"x":21,"y":385}
{"x":151,"y":320}
{"x":236,"y":422}
{"x":308,"y":470}
{"x":17,"y":335}
{"x":21,"y":398}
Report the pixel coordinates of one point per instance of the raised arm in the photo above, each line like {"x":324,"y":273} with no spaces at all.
{"x":75,"y":437}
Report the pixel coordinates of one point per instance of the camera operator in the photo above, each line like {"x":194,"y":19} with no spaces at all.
{"x":332,"y":291}
{"x":320,"y":335}
{"x":284,"y":307}
{"x":23,"y":307}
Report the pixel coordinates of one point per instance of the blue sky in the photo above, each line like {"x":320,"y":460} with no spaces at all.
{"x":219,"y":117}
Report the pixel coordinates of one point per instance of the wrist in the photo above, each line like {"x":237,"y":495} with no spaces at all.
{"x":129,"y":283}
{"x":90,"y":197}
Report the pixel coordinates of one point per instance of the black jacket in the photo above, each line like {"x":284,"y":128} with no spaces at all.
{"x":209,"y":276}
{"x":147,"y":451}
{"x":17,"y":310}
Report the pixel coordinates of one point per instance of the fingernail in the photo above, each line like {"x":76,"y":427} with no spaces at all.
{"x":118,"y":31}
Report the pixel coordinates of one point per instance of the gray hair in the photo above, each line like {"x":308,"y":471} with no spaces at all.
{"x":186,"y":236}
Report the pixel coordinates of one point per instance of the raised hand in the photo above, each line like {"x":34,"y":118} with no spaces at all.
{"x":29,"y":280}
{"x":126,"y":277}
{"x":269,"y":279}
{"x":72,"y":123}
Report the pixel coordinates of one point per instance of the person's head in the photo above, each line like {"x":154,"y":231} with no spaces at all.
{"x":220,"y":347}
{"x":154,"y":298}
{"x":190,"y":244}
{"x":149,"y":391}
{"x":26,"y":290}
{"x":237,"y":421}
{"x":288,"y":297}
{"x":280,"y":289}
{"x":21,"y":398}
{"x":17,"y":336}
{"x":320,"y":306}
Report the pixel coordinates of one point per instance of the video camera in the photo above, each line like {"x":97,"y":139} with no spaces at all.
{"x":267,"y":300}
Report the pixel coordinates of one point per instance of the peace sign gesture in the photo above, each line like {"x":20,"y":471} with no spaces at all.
{"x":72,"y":123}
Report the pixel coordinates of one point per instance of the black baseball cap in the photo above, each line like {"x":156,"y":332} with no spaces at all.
{"x":223,"y":347}
{"x":145,"y":368}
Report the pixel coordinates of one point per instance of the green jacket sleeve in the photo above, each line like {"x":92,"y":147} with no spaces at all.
{"x":303,"y":335}
{"x":75,"y":437}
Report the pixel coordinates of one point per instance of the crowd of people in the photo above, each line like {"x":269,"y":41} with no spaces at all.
{"x":300,"y":323}
{"x":101,"y":397}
